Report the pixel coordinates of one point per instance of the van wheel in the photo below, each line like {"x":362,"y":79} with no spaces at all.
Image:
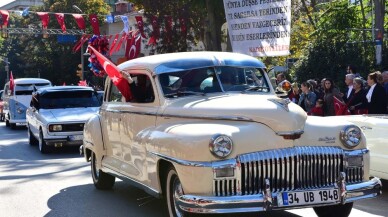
{"x":13,"y":126}
{"x":340,"y":210}
{"x":31,"y":138}
{"x":101,"y":180}
{"x":43,"y":148}
{"x":173,"y":191}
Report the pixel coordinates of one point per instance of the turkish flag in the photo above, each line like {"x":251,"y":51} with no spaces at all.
{"x":140,"y":25}
{"x":113,"y":44}
{"x":5,"y":18}
{"x":44,"y":17}
{"x":340,"y":107}
{"x":61,"y":21}
{"x":155,"y":31}
{"x":82,"y":83}
{"x":114,"y":74}
{"x":11,"y":82}
{"x":123,"y":37}
{"x":80,"y":42}
{"x":133,"y":48}
{"x":94,"y":22}
{"x":80,"y":21}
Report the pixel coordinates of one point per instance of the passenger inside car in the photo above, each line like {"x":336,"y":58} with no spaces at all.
{"x":142,"y":89}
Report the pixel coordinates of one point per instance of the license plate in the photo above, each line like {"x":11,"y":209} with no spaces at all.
{"x":296,"y":198}
{"x":76,"y":137}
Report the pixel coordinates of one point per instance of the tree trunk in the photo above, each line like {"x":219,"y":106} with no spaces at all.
{"x":212,"y":29}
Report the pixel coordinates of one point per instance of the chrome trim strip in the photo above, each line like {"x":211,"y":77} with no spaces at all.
{"x":257,"y":203}
{"x":290,"y":133}
{"x":230,"y":163}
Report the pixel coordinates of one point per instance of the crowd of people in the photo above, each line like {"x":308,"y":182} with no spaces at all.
{"x":323,"y":98}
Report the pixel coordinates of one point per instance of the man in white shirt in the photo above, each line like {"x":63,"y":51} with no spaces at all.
{"x":349,"y":83}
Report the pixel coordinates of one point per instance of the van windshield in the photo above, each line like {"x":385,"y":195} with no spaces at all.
{"x":27,"y":89}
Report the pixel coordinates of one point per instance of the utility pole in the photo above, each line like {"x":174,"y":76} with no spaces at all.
{"x":379,"y":28}
{"x":6,"y":68}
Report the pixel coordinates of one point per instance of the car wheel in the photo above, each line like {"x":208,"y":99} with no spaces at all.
{"x":13,"y":126}
{"x":7,"y":123}
{"x":31,"y":138}
{"x":43,"y":148}
{"x":101,"y":180}
{"x":340,"y":210}
{"x":173,"y":191}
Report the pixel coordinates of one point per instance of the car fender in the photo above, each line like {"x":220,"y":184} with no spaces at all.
{"x":93,"y":139}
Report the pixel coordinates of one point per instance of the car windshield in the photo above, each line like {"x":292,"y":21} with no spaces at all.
{"x":213,"y":79}
{"x":68,"y":99}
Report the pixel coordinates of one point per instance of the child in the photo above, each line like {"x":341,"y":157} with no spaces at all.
{"x":317,"y":110}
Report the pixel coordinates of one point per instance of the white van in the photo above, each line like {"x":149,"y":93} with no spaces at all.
{"x":17,"y":101}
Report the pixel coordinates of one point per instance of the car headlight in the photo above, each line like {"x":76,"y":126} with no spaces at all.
{"x":19,"y":110}
{"x":284,"y":86}
{"x":221,"y":145}
{"x":55,"y":127}
{"x":351,"y":136}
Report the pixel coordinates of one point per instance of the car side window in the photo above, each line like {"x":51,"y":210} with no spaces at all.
{"x":114,"y":94}
{"x":141,"y":88}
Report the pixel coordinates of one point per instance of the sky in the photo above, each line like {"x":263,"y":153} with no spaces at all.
{"x":4,"y":2}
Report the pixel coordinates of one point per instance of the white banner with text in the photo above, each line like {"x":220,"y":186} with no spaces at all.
{"x":259,"y":27}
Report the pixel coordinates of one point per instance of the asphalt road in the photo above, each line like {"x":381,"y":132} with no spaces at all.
{"x":60,"y":184}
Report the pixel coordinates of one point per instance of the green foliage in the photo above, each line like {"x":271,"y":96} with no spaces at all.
{"x":336,"y":43}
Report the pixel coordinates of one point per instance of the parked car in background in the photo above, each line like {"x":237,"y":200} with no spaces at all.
{"x":375,"y":128}
{"x":1,"y":106}
{"x":17,"y":99}
{"x":57,"y":116}
{"x":206,"y":132}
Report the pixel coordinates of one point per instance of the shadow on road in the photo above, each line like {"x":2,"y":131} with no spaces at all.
{"x":123,"y":200}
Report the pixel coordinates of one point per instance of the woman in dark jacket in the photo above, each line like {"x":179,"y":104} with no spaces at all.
{"x":376,"y":96}
{"x":357,"y":103}
{"x":328,"y":98}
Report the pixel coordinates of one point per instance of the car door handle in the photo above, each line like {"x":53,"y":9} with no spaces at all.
{"x":366,"y":128}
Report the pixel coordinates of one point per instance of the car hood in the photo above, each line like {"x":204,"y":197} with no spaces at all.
{"x":68,"y":114}
{"x":276,"y":113}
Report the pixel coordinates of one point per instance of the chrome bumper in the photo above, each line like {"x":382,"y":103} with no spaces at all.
{"x":268,"y":201}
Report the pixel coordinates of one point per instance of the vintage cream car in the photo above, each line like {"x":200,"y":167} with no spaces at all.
{"x":206,"y":132}
{"x":375,"y":128}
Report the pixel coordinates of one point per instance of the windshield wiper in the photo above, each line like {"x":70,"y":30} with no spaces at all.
{"x":181,"y":93}
{"x":255,"y":88}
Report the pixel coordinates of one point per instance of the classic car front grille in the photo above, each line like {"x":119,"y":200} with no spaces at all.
{"x":225,"y":187}
{"x":73,"y":127}
{"x":294,"y":168}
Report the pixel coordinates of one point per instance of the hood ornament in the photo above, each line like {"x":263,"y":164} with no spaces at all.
{"x":281,"y":102}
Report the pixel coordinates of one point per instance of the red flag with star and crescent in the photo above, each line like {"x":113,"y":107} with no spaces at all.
{"x":44,"y":17}
{"x":11,"y":82}
{"x":114,"y":74}
{"x":340,"y":107}
{"x":79,"y":19}
{"x":61,"y":21}
{"x":140,"y":25}
{"x":94,"y":22}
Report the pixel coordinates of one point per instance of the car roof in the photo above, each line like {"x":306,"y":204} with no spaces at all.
{"x":63,"y":88}
{"x":174,"y":62}
{"x":31,"y":81}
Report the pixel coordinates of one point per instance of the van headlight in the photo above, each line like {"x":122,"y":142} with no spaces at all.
{"x":351,"y":136}
{"x":55,"y":127}
{"x":221,"y":146}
